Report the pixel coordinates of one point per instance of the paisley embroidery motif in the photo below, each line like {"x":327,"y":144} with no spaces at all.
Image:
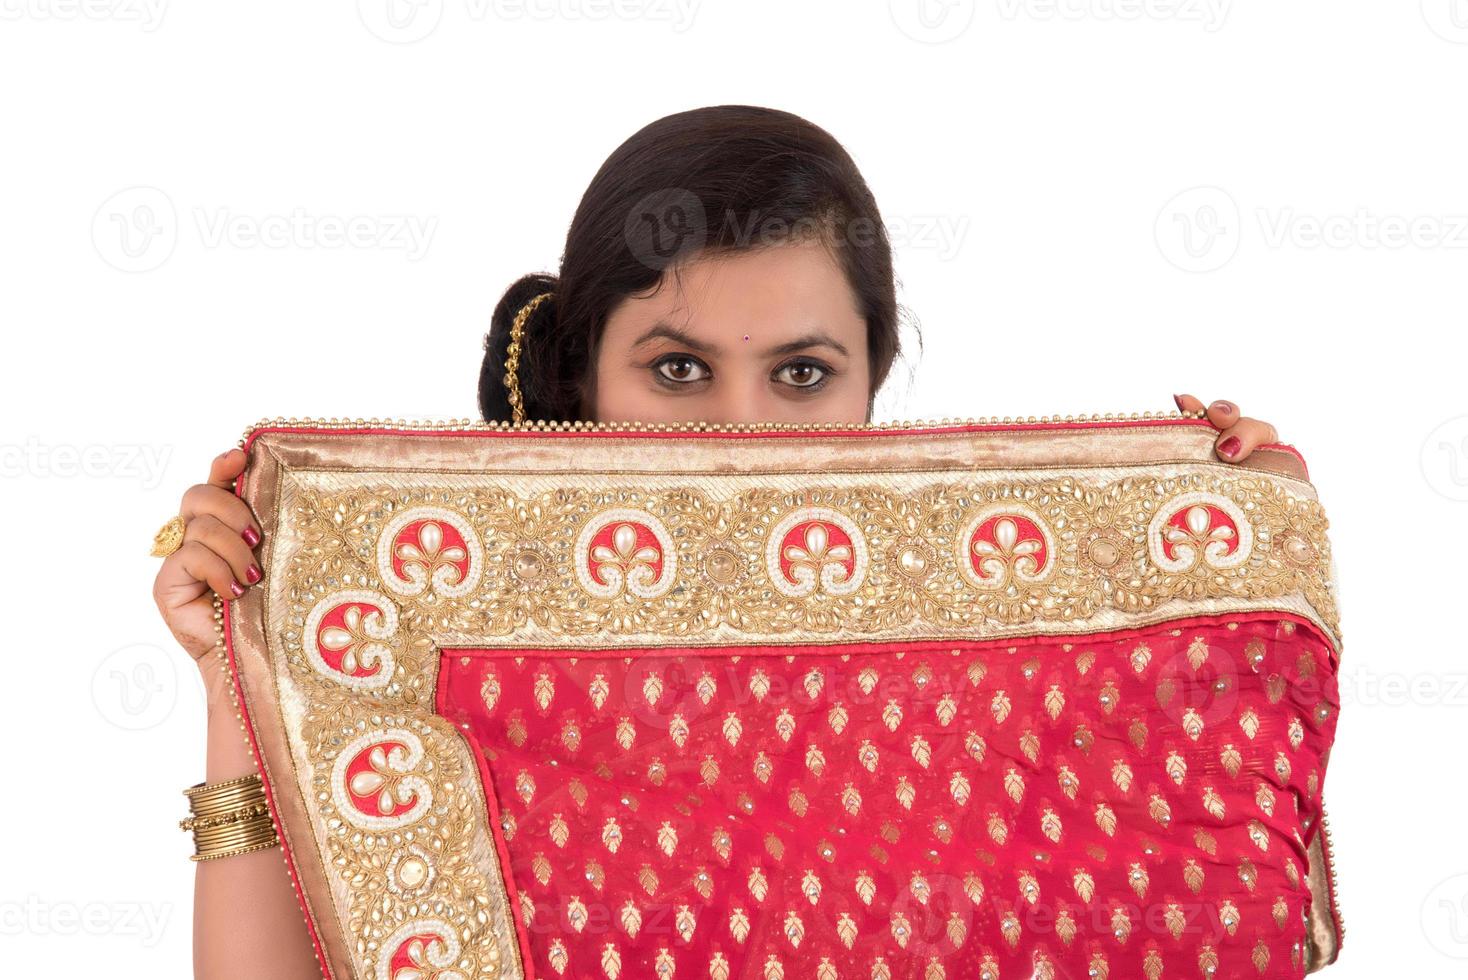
{"x":1199,"y":529}
{"x":375,"y":783}
{"x":625,"y":550}
{"x":816,"y":549}
{"x":429,"y":549}
{"x":347,"y":638}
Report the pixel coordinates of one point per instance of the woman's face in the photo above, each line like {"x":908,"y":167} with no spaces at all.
{"x":763,"y":335}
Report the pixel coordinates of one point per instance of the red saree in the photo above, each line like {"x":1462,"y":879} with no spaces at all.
{"x":935,"y":701}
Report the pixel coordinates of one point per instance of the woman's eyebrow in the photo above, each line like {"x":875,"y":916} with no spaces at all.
{"x":814,"y":338}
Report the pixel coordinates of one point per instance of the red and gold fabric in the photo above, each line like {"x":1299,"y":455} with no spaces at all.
{"x":994,"y":701}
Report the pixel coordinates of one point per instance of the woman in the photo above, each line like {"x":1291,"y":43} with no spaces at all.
{"x":725,"y":264}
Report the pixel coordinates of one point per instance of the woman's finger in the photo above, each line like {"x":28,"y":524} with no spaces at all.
{"x":1223,"y":414}
{"x":196,"y":561}
{"x":1187,"y":403}
{"x":225,"y":542}
{"x":1238,"y":441}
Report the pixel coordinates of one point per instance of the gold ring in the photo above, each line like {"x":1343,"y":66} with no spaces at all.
{"x":169,"y":538}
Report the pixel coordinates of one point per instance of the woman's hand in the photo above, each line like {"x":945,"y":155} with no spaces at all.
{"x":217,"y":555}
{"x":1239,"y":435}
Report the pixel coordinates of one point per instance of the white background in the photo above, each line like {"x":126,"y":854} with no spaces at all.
{"x":1039,"y":164}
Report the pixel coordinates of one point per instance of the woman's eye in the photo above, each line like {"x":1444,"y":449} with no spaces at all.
{"x":805,"y":374}
{"x":677,"y":368}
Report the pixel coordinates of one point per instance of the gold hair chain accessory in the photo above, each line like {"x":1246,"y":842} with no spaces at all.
{"x":512,"y":357}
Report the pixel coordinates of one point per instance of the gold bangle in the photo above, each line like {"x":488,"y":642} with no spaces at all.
{"x":229,"y":817}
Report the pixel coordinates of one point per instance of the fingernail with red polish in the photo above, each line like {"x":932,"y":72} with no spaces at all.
{"x":252,"y":574}
{"x":251,"y":536}
{"x":236,"y":588}
{"x":1178,"y":401}
{"x":1230,"y":446}
{"x":1224,"y":406}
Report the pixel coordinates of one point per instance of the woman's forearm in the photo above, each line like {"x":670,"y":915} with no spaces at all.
{"x":247,"y":921}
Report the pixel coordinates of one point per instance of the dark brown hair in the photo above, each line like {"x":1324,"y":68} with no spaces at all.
{"x":719,"y":178}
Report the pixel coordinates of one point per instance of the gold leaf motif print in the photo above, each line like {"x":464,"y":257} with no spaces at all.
{"x":1085,"y":885}
{"x":1197,"y":653}
{"x":998,"y":829}
{"x":489,"y":692}
{"x":708,"y":770}
{"x":973,"y":887}
{"x":960,"y":788}
{"x":541,"y":868}
{"x":866,"y":754}
{"x":1176,"y":768}
{"x":678,"y":729}
{"x":759,"y":684}
{"x":955,"y":929}
{"x":934,"y":969}
{"x":525,"y":786}
{"x":815,"y":760}
{"x":1174,"y":920}
{"x":988,"y":969}
{"x":1000,"y":707}
{"x":663,"y":965}
{"x":1208,"y":962}
{"x":611,"y":835}
{"x":1228,"y":914}
{"x":1014,"y":784}
{"x":785,"y":725}
{"x":892,"y":715}
{"x":851,"y":799}
{"x":1261,"y":956}
{"x":1159,"y":810}
{"x":810,"y":887}
{"x":1065,"y":928}
{"x":1264,"y":799}
{"x":723,"y":844}
{"x":867,"y":679}
{"x":1099,"y":968}
{"x":706,"y":687}
{"x":1138,"y":879}
{"x":905,"y":792}
{"x":922,"y":752}
{"x":1029,"y":744}
{"x":1193,"y":875}
{"x":1249,"y":722}
{"x":813,"y":681}
{"x":1193,"y":724}
{"x":1069,"y":782}
{"x":901,"y":929}
{"x":1212,"y":802}
{"x":558,"y":956}
{"x":560,"y":831}
{"x":576,"y":913}
{"x":1121,"y":775}
{"x":545,"y":689}
{"x":794,"y":929}
{"x":739,"y":925}
{"x":826,"y":970}
{"x":733,"y":728}
{"x":1029,"y":888}
{"x":837,"y":717}
{"x":763,"y":768}
{"x":799,"y":803}
{"x":626,"y":733}
{"x":774,"y":969}
{"x":652,"y":688}
{"x":1106,"y":819}
{"x":866,"y":887}
{"x":846,"y":930}
{"x":1050,"y":825}
{"x":1121,"y":924}
{"x":1281,"y":911}
{"x":1009,"y":928}
{"x":631,"y":919}
{"x":667,"y":838}
{"x":973,"y":744}
{"x":1152,"y":965}
{"x":648,"y":879}
{"x":759,"y":885}
{"x":1259,"y":835}
{"x":598,"y":690}
{"x":1231,"y":758}
{"x":1054,"y":702}
{"x":1141,"y":657}
{"x":611,"y":961}
{"x":946,"y":710}
{"x":718,"y":967}
{"x":684,"y":922}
